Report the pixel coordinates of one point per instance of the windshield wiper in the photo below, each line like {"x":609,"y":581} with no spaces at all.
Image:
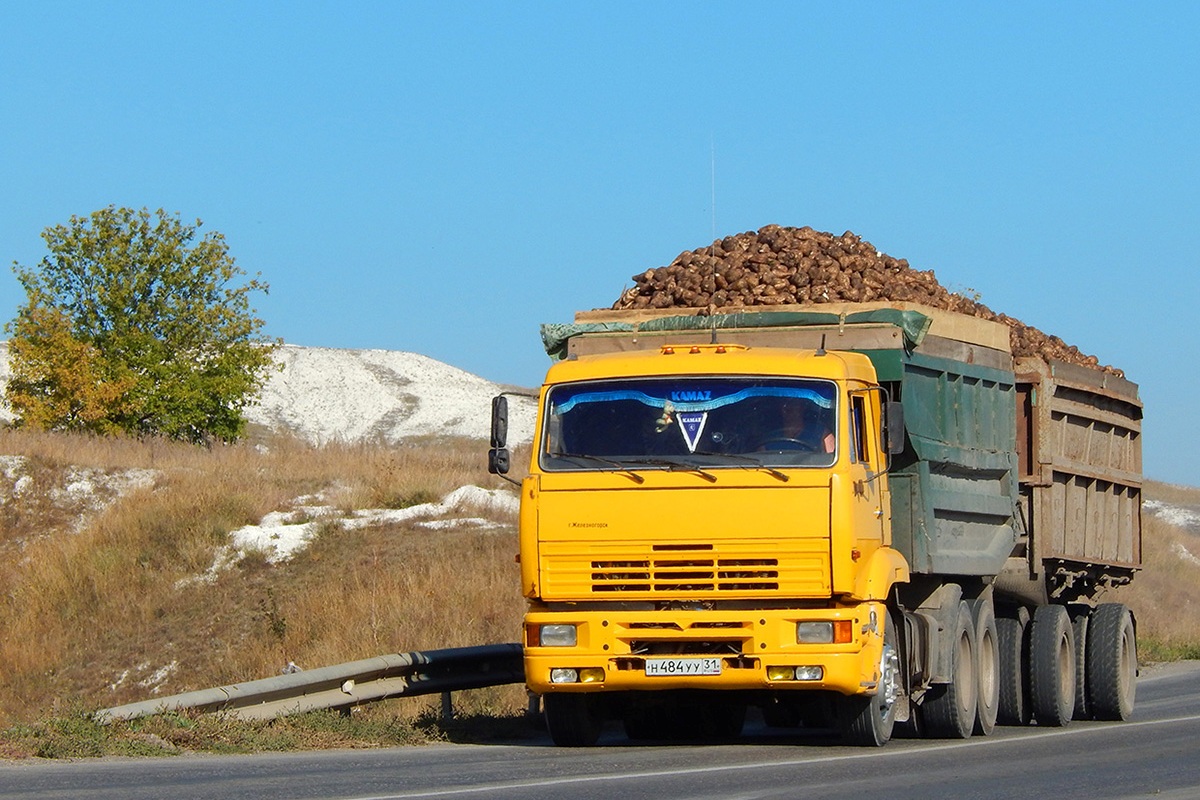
{"x":750,"y":461}
{"x":616,"y":465}
{"x":673,"y":466}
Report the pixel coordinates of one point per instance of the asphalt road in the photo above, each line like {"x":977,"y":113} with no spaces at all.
{"x":1154,"y":755}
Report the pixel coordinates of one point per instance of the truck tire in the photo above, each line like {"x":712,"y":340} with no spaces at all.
{"x":987,"y":666}
{"x":1014,"y":666}
{"x":949,"y":710}
{"x":1052,"y":666}
{"x":870,"y":721}
{"x":1112,"y":664}
{"x":574,"y":720}
{"x":1012,"y":642}
{"x":1080,"y":623}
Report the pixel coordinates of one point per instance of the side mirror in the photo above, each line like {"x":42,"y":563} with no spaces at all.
{"x":894,"y":427}
{"x":498,"y":459}
{"x":499,"y":421}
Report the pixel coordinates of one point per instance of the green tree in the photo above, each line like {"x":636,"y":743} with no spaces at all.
{"x":133,"y":324}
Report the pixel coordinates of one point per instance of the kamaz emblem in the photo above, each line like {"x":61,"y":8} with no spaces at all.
{"x":690,"y":397}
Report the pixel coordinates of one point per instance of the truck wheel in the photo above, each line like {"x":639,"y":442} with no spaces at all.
{"x":574,"y":720}
{"x":1112,"y":664}
{"x":949,"y":710}
{"x":1052,"y":666}
{"x":987,"y":666}
{"x":1014,"y":660}
{"x":869,"y":721}
{"x":1080,"y":625}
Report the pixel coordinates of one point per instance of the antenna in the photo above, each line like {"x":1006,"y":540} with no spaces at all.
{"x":712,"y":171}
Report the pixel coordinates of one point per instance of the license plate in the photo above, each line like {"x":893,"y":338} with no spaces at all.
{"x":675,"y":667}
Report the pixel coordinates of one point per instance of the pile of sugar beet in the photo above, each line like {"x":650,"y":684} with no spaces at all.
{"x":777,"y":265}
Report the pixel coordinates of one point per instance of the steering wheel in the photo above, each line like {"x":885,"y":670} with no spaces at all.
{"x":785,"y":443}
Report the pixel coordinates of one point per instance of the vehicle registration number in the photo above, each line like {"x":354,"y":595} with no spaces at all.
{"x":672,"y":667}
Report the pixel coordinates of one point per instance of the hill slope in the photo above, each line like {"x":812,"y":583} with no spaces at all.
{"x":327,"y":395}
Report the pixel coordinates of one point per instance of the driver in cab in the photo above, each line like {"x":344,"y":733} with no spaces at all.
{"x":801,"y":427}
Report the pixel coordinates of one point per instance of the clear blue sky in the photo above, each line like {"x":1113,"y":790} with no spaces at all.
{"x":441,"y":177}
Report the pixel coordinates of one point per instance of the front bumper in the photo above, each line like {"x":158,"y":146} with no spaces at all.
{"x":754,"y":648}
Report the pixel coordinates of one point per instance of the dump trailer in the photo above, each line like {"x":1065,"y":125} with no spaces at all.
{"x":852,"y":517}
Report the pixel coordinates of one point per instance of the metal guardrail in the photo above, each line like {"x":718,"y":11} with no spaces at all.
{"x":346,"y":685}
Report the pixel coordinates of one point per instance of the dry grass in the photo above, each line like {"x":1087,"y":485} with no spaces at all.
{"x":1172,"y":493}
{"x":91,"y":612}
{"x":77,"y":734}
{"x":1165,"y":595}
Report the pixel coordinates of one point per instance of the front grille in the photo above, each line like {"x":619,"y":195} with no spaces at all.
{"x":686,"y":575}
{"x":679,"y":572}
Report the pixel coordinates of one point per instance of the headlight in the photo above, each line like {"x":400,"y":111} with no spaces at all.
{"x":558,"y":636}
{"x":564,"y":675}
{"x":814,"y":632}
{"x":836,"y":632}
{"x":810,"y":673}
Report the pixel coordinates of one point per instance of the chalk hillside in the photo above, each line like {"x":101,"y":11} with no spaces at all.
{"x":326,"y":395}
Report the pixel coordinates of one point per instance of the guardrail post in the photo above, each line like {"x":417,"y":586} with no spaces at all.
{"x":447,"y":706}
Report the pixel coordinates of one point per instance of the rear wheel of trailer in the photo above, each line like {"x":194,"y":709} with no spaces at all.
{"x":1112,"y":662}
{"x":1052,"y":666}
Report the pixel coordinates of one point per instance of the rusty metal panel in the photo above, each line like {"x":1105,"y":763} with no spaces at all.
{"x":1083,"y":466}
{"x":1026,"y":428}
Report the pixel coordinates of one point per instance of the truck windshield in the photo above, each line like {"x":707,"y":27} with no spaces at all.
{"x":656,"y":423}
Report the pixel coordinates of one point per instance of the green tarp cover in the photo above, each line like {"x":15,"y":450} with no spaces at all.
{"x":913,"y":324}
{"x":555,"y":335}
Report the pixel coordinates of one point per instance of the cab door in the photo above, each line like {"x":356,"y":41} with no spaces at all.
{"x":867,"y":465}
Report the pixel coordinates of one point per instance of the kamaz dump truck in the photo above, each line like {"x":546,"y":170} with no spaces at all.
{"x":851,"y":517}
